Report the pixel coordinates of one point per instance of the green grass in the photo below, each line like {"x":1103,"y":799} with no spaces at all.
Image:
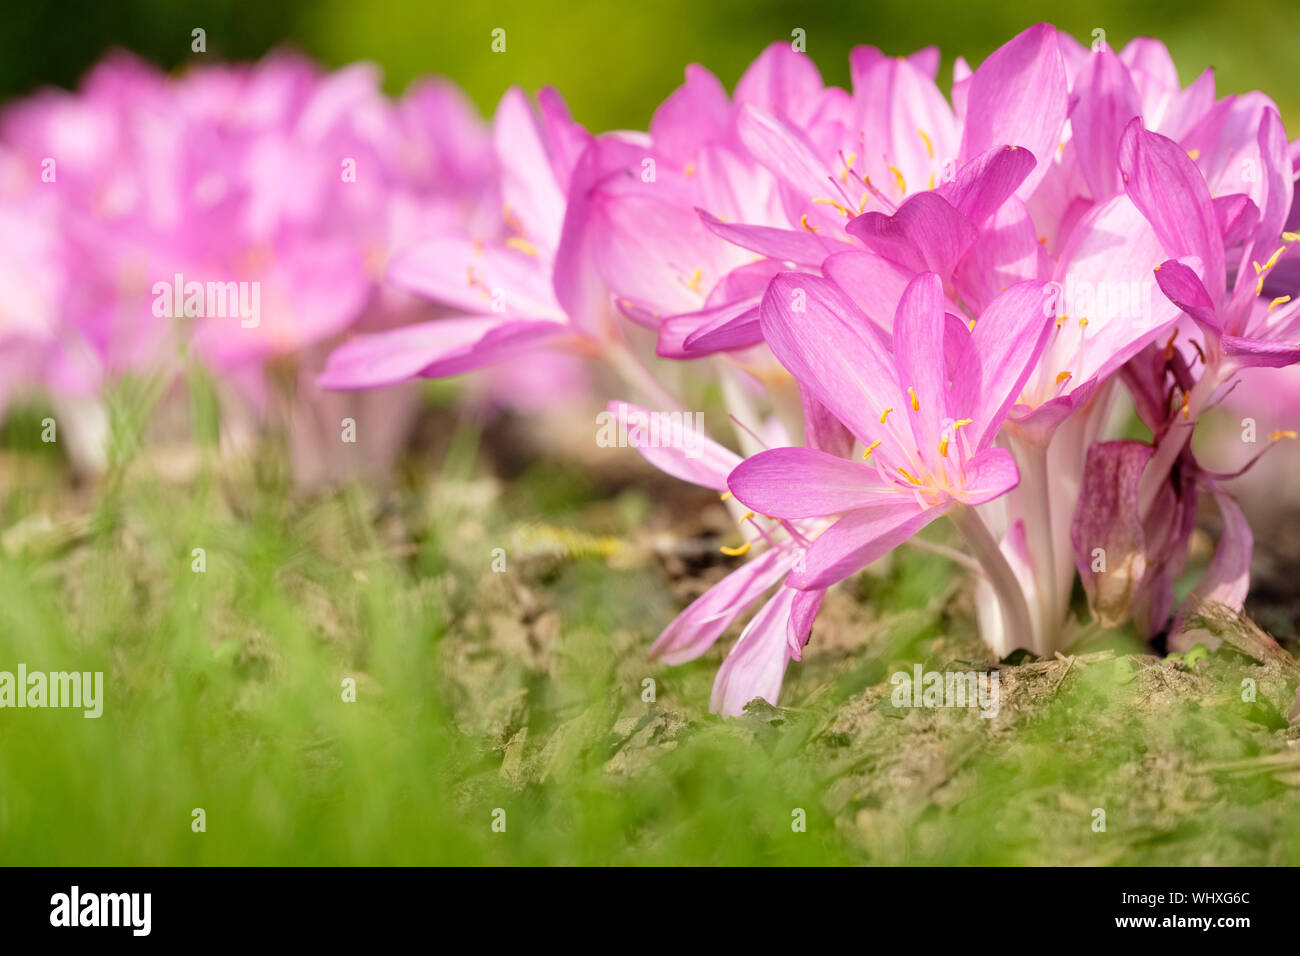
{"x":522,"y":691}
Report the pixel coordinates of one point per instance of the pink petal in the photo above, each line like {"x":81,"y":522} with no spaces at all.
{"x":433,"y":350}
{"x":859,"y":538}
{"x":830,"y":347}
{"x":1165,"y":184}
{"x":756,"y":665}
{"x":694,"y":630}
{"x":1018,"y":96}
{"x":805,"y":483}
{"x":683,"y":452}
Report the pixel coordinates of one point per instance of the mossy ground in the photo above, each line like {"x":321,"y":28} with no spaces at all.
{"x":523,"y":690}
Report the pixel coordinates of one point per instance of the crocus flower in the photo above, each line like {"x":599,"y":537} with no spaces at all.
{"x":926,"y":416}
{"x":778,"y":631}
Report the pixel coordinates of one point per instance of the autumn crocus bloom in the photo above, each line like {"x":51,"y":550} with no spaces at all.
{"x":778,"y":631}
{"x":926,"y":417}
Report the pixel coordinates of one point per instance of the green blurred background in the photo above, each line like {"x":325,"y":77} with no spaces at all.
{"x":615,"y":61}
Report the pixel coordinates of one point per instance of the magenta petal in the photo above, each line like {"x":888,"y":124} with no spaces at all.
{"x":756,"y":665}
{"x":873,"y":282}
{"x":822,"y":430}
{"x":694,"y":630}
{"x":830,"y":347}
{"x":805,"y":483}
{"x":1183,"y":287}
{"x":861,"y":537}
{"x":989,"y":474}
{"x":1008,"y":338}
{"x":926,"y":234}
{"x":1018,"y":96}
{"x":803,"y":611}
{"x":982,"y":185}
{"x":1227,"y":579}
{"x":1108,"y":101}
{"x":919,"y":330}
{"x":786,"y":245}
{"x":1107,"y":527}
{"x":675,"y":448}
{"x":1260,"y":352}
{"x":432,"y":350}
{"x":1166,"y":185}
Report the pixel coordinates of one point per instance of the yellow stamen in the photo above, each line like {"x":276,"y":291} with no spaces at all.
{"x":959,"y":423}
{"x":870,"y":448}
{"x":1280,"y":300}
{"x":930,"y":183}
{"x":737,"y":552}
{"x":745,"y":517}
{"x":899,"y":181}
{"x":1083,"y":322}
{"x":832,"y":202}
{"x":694,"y":284}
{"x":943,"y":446}
{"x":1062,"y":376}
{"x":1281,"y":433}
{"x":971,"y":326}
{"x":929,"y":147}
{"x":726,"y":495}
{"x":689,"y":170}
{"x":1060,"y":320}
{"x":523,"y":245}
{"x":1291,"y":237}
{"x":1169,"y":346}
{"x":910,"y":477}
{"x":916,"y":405}
{"x":1186,"y":409}
{"x":803,"y":220}
{"x":1195,"y":154}
{"x":885,"y":414}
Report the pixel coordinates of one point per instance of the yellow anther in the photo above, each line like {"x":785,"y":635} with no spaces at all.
{"x":943,"y":446}
{"x":832,"y":202}
{"x":1169,"y":346}
{"x":469,"y":275}
{"x":929,"y":147}
{"x":899,"y":181}
{"x":1280,"y":300}
{"x":745,"y":517}
{"x":1281,"y":433}
{"x":694,"y":283}
{"x":1060,"y":320}
{"x":910,"y":477}
{"x":971,"y":325}
{"x":523,"y":245}
{"x":689,"y":170}
{"x":960,"y":423}
{"x":862,"y":203}
{"x":726,"y":496}
{"x":870,"y":448}
{"x":930,"y":182}
{"x":1187,"y":413}
{"x":803,"y":221}
{"x":885,"y":414}
{"x":1063,"y":376}
{"x":737,"y":552}
{"x":1291,"y":237}
{"x":916,"y":404}
{"x":1195,"y":154}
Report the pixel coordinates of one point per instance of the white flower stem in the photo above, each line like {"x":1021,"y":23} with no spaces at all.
{"x":1015,"y":612}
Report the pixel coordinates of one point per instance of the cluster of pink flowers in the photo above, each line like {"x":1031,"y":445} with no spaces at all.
{"x":239,"y":216}
{"x":951,"y":302}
